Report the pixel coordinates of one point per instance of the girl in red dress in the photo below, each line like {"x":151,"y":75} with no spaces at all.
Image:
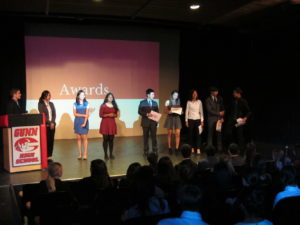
{"x":108,"y":128}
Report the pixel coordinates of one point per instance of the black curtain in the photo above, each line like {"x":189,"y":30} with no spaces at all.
{"x":12,"y":64}
{"x":264,"y":65}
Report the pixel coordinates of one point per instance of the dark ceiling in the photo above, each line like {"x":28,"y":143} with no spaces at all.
{"x":240,"y":13}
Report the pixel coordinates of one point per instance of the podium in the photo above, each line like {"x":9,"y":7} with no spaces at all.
{"x":24,"y":142}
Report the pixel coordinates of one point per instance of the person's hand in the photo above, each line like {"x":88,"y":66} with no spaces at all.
{"x":202,"y":124}
{"x":222,"y":113}
{"x":187,"y":124}
{"x":83,"y":125}
{"x":245,"y":119}
{"x":52,"y":126}
{"x":149,"y":115}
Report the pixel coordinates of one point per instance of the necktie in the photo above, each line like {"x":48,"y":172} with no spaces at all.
{"x":150,"y":103}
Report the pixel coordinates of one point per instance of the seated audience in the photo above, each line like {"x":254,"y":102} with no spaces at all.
{"x":148,"y":200}
{"x":252,"y":204}
{"x":234,"y":154}
{"x":288,"y":180}
{"x":189,"y":199}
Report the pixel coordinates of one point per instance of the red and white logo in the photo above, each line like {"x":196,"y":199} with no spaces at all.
{"x":26,"y":144}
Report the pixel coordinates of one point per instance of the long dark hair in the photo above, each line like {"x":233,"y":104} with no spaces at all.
{"x":99,"y":171}
{"x":77,"y":97}
{"x":44,"y":95}
{"x":113,"y":101}
{"x":191,"y":94}
{"x":177,"y":100}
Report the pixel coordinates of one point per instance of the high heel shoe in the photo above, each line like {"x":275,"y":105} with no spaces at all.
{"x":84,"y":157}
{"x":79,"y":157}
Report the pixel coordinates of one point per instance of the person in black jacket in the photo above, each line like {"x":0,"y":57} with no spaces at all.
{"x":47,"y":107}
{"x":149,"y":126}
{"x":215,"y":112}
{"x":238,"y":117}
{"x":13,"y":106}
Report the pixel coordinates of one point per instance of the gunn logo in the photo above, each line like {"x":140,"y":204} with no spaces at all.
{"x":26,"y":144}
{"x":24,"y":132}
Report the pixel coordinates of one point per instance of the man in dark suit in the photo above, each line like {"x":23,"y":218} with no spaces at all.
{"x":149,"y":125}
{"x":215,"y":112}
{"x":13,"y":106}
{"x":240,"y":111}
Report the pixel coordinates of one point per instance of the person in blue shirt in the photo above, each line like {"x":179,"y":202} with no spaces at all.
{"x":81,"y":123}
{"x":288,"y":179}
{"x":189,"y":197}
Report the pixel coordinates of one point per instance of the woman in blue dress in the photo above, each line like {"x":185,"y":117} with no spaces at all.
{"x":81,"y":124}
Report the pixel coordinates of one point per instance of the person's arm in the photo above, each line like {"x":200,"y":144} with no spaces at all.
{"x":53,"y":114}
{"x":78,"y":114}
{"x":156,"y":109}
{"x":187,"y":113}
{"x":167,"y":110}
{"x":201,"y":113}
{"x":43,"y":109}
{"x":142,"y":110}
{"x":53,"y":110}
{"x":86,"y":116}
{"x":222,"y":108}
{"x":246,"y":109}
{"x":209,"y":108}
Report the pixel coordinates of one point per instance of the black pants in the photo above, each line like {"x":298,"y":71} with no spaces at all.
{"x":151,"y":129}
{"x":194,"y":136}
{"x":211,"y":133}
{"x":50,"y":140}
{"x":235,"y":134}
{"x":108,"y":141}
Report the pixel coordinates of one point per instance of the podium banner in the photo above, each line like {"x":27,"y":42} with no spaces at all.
{"x":26,"y":146}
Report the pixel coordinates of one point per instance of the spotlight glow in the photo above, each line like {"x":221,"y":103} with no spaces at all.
{"x":194,"y":6}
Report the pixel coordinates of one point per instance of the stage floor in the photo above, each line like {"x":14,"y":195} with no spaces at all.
{"x":126,"y":150}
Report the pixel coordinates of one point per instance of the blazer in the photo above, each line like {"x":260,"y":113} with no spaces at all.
{"x":13,"y":108}
{"x":240,"y":109}
{"x":214,"y":109}
{"x":145,"y":108}
{"x":43,"y":109}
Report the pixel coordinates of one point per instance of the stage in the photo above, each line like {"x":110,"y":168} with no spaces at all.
{"x":126,"y":150}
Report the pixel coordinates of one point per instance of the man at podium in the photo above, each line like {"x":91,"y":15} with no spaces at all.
{"x":13,"y":106}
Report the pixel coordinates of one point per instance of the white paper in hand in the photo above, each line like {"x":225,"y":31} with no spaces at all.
{"x":219,"y":126}
{"x":177,"y":110}
{"x":155,"y":116}
{"x":240,"y":122}
{"x":200,"y":129}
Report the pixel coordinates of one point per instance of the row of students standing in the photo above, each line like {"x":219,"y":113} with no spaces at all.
{"x":237,"y":117}
{"x":194,"y":119}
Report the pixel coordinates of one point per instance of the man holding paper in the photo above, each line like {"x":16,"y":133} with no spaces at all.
{"x":215,"y":113}
{"x":238,"y":117}
{"x":149,"y":111}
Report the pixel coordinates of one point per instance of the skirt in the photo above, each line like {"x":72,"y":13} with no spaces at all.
{"x":173,"y":122}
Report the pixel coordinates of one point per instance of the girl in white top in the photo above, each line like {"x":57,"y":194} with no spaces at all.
{"x":194,"y":120}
